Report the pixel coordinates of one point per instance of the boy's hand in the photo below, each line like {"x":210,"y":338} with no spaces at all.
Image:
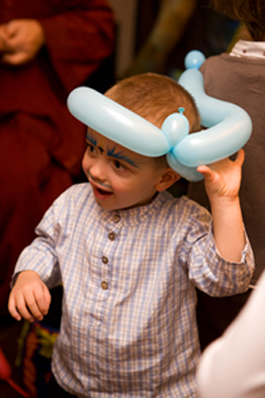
{"x":222,"y":179}
{"x":222,"y":183}
{"x":30,"y":298}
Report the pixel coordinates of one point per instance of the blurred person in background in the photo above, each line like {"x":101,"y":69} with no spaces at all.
{"x":169,"y":29}
{"x":234,"y":365}
{"x":237,"y":77}
{"x":47,"y":48}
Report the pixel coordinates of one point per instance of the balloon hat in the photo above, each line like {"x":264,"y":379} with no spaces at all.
{"x":228,"y":126}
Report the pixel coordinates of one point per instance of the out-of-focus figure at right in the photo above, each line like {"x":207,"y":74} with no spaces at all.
{"x":238,"y":77}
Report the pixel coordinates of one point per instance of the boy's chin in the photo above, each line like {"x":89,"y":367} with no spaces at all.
{"x":110,"y":205}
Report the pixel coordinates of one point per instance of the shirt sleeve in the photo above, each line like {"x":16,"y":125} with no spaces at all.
{"x":41,"y":255}
{"x":234,"y":365}
{"x":78,"y":39}
{"x":207,"y":269}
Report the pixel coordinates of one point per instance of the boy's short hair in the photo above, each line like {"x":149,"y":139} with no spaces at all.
{"x":250,"y":12}
{"x":154,"y":97}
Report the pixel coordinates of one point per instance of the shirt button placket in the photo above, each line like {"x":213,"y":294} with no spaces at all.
{"x":116,"y":218}
{"x":104,"y":285}
{"x":105,"y":260}
{"x":111,"y":236}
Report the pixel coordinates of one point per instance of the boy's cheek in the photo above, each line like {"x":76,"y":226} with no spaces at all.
{"x":84,"y":163}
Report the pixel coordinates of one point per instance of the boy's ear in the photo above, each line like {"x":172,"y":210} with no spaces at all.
{"x":168,"y":178}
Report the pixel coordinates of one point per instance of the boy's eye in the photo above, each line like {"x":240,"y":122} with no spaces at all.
{"x":91,"y":148}
{"x":118,"y":165}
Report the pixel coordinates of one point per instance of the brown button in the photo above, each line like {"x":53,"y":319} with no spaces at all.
{"x":104,"y":285}
{"x":116,"y":218}
{"x":105,"y":260}
{"x":111,"y":236}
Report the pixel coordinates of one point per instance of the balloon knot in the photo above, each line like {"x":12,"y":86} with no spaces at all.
{"x":181,"y":110}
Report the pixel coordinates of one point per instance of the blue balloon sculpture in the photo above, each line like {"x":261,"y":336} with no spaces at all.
{"x":228,"y":126}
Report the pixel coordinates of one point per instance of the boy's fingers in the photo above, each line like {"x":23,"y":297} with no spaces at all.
{"x":204,"y":170}
{"x":13,"y":310}
{"x":42,"y":298}
{"x":240,"y":157}
{"x":47,"y":297}
{"x":28,"y":307}
{"x":21,"y":308}
{"x":29,"y":302}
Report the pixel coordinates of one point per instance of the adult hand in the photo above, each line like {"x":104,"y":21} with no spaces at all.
{"x":2,"y":39}
{"x":22,"y":39}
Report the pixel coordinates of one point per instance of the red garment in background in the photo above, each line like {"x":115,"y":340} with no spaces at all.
{"x":41,"y":144}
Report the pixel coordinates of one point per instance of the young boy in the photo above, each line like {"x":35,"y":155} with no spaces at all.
{"x":129,"y":256}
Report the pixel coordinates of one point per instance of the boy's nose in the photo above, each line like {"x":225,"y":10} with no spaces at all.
{"x":97,"y":172}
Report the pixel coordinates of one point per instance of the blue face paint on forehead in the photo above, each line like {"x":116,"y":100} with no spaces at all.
{"x":118,"y":155}
{"x":91,"y":137}
{"x":110,"y":151}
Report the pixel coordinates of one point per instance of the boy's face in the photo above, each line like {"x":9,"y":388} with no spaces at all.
{"x":120,"y":178}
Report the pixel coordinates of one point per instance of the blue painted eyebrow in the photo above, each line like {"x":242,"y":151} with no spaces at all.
{"x":118,"y":155}
{"x":90,"y":138}
{"x":111,"y":151}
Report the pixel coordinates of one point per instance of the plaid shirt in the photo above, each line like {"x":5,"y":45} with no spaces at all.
{"x":128,"y":327}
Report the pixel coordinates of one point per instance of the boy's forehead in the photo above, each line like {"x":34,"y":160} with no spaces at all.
{"x":103,"y":142}
{"x":116,"y":150}
{"x":99,"y":140}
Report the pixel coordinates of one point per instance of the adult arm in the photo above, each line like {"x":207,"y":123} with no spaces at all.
{"x":234,"y":365}
{"x":76,"y":38}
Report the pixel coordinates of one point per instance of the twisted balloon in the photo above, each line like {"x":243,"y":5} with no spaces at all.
{"x":227,"y":126}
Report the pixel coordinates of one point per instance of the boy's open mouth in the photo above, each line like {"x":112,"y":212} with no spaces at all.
{"x":101,"y":193}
